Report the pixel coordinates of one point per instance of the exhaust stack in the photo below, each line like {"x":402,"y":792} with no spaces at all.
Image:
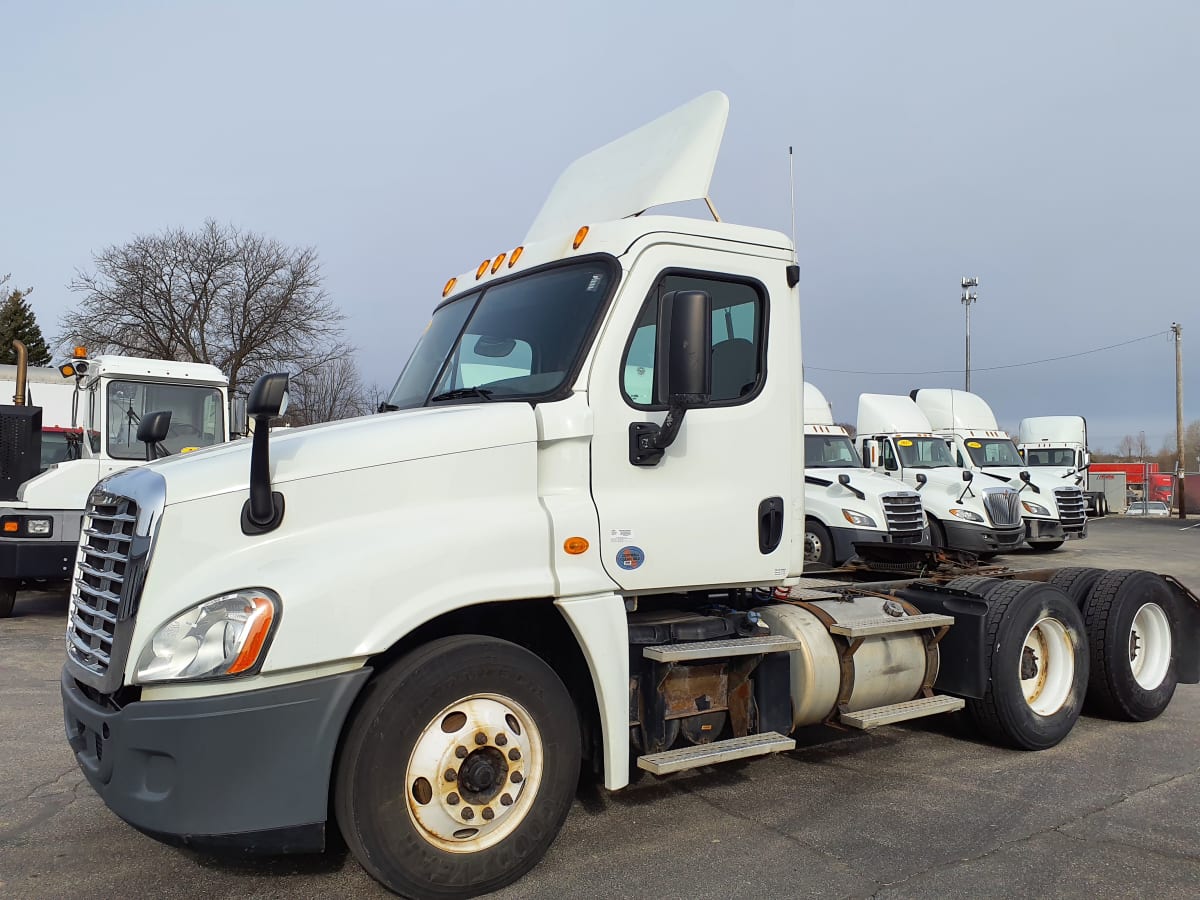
{"x":22,"y":372}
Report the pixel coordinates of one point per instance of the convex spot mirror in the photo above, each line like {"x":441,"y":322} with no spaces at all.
{"x":269,"y":396}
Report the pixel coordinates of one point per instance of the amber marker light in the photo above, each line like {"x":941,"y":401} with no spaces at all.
{"x":260,"y":614}
{"x":11,"y":527}
{"x":483,"y":267}
{"x":449,"y":287}
{"x":67,"y":370}
{"x":579,"y":237}
{"x":516,"y":254}
{"x":575,"y":545}
{"x":80,"y":353}
{"x":498,"y":262}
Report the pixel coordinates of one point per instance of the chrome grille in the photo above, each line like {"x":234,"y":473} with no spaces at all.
{"x":101,"y":571}
{"x":1003,"y":505}
{"x":1072,"y":510}
{"x":905,"y":518}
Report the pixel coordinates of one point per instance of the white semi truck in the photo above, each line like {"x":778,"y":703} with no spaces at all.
{"x":844,"y":503}
{"x":417,"y":624}
{"x":1052,"y":504}
{"x":897,"y":440}
{"x":1058,"y":444}
{"x":41,"y":511}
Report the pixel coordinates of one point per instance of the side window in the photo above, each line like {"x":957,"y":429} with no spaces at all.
{"x":739,"y":314}
{"x":888,"y":455}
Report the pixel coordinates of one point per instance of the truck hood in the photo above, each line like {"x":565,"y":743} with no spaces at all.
{"x":349,"y":444}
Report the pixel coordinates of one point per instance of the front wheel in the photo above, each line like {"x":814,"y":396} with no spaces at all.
{"x":1037,"y":664}
{"x":818,"y":544}
{"x":1130,"y":617}
{"x":458,"y":769}
{"x":8,"y":597}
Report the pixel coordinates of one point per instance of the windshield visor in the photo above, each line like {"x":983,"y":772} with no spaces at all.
{"x":520,"y":338}
{"x":993,"y":452}
{"x":923,"y":452}
{"x":829,"y":451}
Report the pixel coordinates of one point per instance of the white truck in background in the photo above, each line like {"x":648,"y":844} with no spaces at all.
{"x":48,"y":388}
{"x":897,"y":439}
{"x":1052,"y":504}
{"x":845,"y":503}
{"x":41,"y":508}
{"x":417,"y":625}
{"x":1059,"y":444}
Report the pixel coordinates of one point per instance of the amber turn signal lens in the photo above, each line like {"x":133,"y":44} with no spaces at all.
{"x":497,"y":263}
{"x":67,"y":370}
{"x":575,"y":545}
{"x":579,"y":236}
{"x":516,"y":254}
{"x":449,"y":287}
{"x":483,"y":267}
{"x":12,"y":528}
{"x":259,"y":616}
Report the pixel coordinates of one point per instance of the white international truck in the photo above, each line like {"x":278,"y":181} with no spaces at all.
{"x":42,"y":500}
{"x":1058,"y":444}
{"x":1052,"y":504}
{"x":897,"y":440}
{"x":844,"y":503}
{"x":418,"y":624}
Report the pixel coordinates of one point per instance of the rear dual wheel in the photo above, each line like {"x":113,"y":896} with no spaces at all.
{"x":458,"y":769}
{"x":1131,"y":620}
{"x":1037,"y":663}
{"x":8,"y":597}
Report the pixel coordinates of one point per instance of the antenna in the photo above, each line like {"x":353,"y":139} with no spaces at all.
{"x":792,"y":189}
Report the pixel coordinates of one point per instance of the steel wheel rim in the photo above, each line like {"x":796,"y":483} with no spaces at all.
{"x":474,"y":772}
{"x":1149,"y":646}
{"x":1047,"y":666}
{"x":812,"y":547}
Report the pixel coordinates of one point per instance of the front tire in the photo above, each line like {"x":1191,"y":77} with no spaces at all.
{"x":818,"y":543}
{"x":1130,"y":618}
{"x":1037,"y":663}
{"x":458,"y":769}
{"x":937,"y":534}
{"x":8,"y":597}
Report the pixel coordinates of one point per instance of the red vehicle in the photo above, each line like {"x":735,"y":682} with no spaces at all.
{"x":1162,"y":484}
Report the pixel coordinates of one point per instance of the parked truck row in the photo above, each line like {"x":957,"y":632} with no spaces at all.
{"x":577,"y":537}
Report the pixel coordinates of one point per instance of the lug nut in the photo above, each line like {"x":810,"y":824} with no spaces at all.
{"x":481,"y":739}
{"x":468,"y":814}
{"x":453,"y":799}
{"x":461,"y":752}
{"x":514,"y":754}
{"x":505,"y":800}
{"x":451,"y":775}
{"x":517,"y":778}
{"x":488,"y":815}
{"x":501,"y":739}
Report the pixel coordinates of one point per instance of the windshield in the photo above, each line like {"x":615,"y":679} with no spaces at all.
{"x":1050,"y":456}
{"x":923,"y":453}
{"x":829,"y":451}
{"x":516,"y":339}
{"x":993,"y":452}
{"x":197,"y":416}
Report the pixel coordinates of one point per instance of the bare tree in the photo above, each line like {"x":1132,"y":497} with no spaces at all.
{"x":1128,"y":447}
{"x":330,"y":391}
{"x":240,"y":301}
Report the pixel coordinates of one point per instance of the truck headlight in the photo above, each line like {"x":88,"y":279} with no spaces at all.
{"x":966,"y":515}
{"x":27,"y":526}
{"x":857,"y":518}
{"x":226,"y":635}
{"x":38,"y":527}
{"x":1035,"y":509}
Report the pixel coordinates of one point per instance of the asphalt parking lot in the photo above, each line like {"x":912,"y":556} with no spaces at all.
{"x":908,"y":811}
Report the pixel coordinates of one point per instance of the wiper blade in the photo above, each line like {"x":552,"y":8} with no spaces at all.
{"x":460,"y":393}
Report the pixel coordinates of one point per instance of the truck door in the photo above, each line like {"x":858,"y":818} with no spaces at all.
{"x":712,"y":510}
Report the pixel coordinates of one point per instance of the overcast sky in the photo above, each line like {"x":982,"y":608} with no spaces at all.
{"x":1048,"y":148}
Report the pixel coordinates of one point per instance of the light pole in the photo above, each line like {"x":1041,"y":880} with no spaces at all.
{"x":968,"y":297}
